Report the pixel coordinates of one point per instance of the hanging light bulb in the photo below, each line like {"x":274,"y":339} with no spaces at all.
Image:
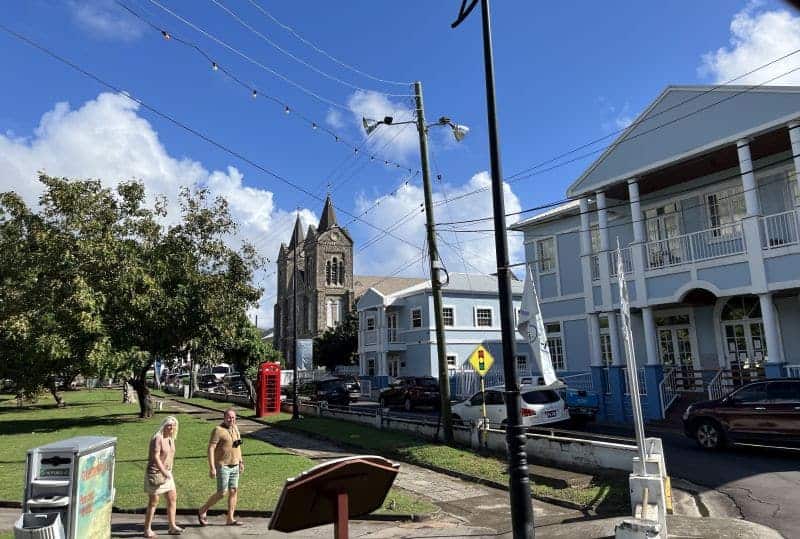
{"x":372,"y":158}
{"x":355,"y":150}
{"x":313,"y":126}
{"x":386,"y":162}
{"x":286,"y":109}
{"x":336,"y":138}
{"x":165,"y":34}
{"x":214,"y":66}
{"x":255,"y":93}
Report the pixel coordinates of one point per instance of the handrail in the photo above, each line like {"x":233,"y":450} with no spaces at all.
{"x":725,"y":240}
{"x":779,"y":230}
{"x":667,"y":391}
{"x":716,"y":389}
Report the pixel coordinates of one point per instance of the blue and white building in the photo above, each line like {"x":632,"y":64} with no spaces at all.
{"x":397,"y":332}
{"x":702,"y":193}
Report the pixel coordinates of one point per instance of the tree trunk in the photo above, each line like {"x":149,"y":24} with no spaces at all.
{"x":128,"y":394}
{"x":143,"y":392}
{"x":251,"y":391}
{"x":58,"y":398}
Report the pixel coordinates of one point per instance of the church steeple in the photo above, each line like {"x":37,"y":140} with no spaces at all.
{"x":297,"y":235}
{"x":328,"y":218}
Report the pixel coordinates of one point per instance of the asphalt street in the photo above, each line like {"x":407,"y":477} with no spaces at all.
{"x":764,"y":483}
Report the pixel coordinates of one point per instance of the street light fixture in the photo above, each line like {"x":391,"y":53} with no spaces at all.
{"x":436,"y":266}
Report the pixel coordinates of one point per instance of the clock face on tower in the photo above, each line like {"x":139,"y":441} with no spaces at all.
{"x":334,"y":236}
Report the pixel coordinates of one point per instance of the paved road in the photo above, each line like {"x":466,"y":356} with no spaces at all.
{"x":763,"y":483}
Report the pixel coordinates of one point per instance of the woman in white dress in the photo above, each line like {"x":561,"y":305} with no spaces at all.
{"x":158,"y":477}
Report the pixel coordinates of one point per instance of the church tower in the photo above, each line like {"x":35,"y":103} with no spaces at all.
{"x":324,"y":276}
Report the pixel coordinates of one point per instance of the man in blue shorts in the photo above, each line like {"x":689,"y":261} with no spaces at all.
{"x":225,"y":463}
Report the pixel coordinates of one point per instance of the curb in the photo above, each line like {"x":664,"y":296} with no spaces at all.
{"x":452,"y":473}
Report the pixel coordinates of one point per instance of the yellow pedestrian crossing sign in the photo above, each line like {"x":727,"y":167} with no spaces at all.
{"x":481,"y":360}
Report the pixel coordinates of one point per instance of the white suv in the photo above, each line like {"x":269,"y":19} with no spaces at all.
{"x":540,"y":405}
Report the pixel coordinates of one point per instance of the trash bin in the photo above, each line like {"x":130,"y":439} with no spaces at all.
{"x":74,"y":480}
{"x":39,"y":526}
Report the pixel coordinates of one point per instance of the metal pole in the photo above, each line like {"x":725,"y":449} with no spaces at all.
{"x":444,"y":379}
{"x":295,"y":411}
{"x":518,"y":481}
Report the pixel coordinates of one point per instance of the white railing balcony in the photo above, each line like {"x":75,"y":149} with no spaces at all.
{"x":726,"y":240}
{"x":779,"y":230}
{"x":391,"y":335}
{"x":370,"y":336}
{"x":581,"y":381}
{"x":594,"y":264}
{"x":627,"y":262}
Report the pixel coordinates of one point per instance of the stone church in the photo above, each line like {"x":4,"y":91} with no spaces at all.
{"x":324,"y":261}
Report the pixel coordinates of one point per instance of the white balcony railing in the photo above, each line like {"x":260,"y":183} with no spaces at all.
{"x":582,"y":381}
{"x":391,"y":335}
{"x":793,"y":371}
{"x":779,"y":230}
{"x":594,"y":263}
{"x":707,"y":244}
{"x":370,"y":336}
{"x":627,"y":262}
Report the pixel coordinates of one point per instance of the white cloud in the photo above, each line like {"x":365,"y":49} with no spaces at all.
{"x":398,"y":143}
{"x":470,"y":252}
{"x":106,"y":138}
{"x":105,"y":20}
{"x":757,"y":36}
{"x":334,"y":119}
{"x":618,"y":118}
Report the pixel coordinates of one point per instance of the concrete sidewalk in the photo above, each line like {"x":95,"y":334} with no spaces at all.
{"x":126,"y":525}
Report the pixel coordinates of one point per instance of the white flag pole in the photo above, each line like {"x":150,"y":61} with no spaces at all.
{"x":633,"y":371}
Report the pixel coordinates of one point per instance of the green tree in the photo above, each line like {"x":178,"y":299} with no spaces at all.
{"x":338,"y":345}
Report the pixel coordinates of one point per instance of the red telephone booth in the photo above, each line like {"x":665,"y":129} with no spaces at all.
{"x":269,"y":389}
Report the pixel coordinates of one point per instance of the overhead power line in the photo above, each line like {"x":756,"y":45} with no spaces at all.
{"x":297,"y":59}
{"x":323,"y":51}
{"x":192,"y":130}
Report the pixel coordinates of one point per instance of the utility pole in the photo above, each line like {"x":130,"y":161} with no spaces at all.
{"x":436,"y":266}
{"x":518,"y":480}
{"x":295,"y":411}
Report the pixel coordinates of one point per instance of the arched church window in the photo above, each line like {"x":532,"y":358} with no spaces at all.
{"x":328,"y":272}
{"x":335,"y":271}
{"x":341,"y":272}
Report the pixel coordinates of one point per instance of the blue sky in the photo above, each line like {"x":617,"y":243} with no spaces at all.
{"x":566,"y":72}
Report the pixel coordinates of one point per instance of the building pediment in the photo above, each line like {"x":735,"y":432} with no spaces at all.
{"x":688,"y":121}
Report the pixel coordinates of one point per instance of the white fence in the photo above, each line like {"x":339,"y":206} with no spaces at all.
{"x":627,"y":262}
{"x":793,"y":371}
{"x":779,"y":230}
{"x":594,"y":263}
{"x":703,"y":245}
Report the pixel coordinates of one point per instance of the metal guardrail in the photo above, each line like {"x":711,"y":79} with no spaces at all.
{"x":706,"y":244}
{"x":793,"y":371}
{"x":779,"y":230}
{"x":582,"y":381}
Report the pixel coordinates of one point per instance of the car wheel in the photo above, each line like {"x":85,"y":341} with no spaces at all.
{"x":709,"y":435}
{"x":408,"y":405}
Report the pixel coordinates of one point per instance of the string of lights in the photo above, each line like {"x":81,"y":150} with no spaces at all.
{"x":322,"y":51}
{"x":253,"y":61}
{"x":289,"y":111}
{"x":297,"y":59}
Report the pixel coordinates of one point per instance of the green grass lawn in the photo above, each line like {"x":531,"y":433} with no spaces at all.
{"x":608,"y":495}
{"x":100,"y":412}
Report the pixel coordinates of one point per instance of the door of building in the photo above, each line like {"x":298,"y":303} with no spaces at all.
{"x":744,"y":344}
{"x":676,"y":348}
{"x":393,"y":365}
{"x":663,"y":235}
{"x":391,"y":327}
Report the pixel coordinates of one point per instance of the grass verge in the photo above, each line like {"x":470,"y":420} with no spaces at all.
{"x":100,"y":412}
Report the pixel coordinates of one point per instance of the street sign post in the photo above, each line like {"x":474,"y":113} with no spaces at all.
{"x":481,"y":360}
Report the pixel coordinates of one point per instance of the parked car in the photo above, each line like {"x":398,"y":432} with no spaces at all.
{"x":540,"y":405}
{"x":234,"y":383}
{"x":353,"y":387}
{"x":330,"y":390}
{"x":208,"y":382}
{"x":411,"y":391}
{"x":221,"y":370}
{"x":758,"y":413}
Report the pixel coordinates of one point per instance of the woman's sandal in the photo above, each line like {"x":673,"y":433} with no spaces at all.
{"x":175,"y":531}
{"x":234,"y":523}
{"x":150,"y":535}
{"x":201,"y":518}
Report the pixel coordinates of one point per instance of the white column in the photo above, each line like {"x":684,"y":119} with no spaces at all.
{"x":613,"y":330}
{"x":748,"y":178}
{"x":586,"y":255}
{"x":636,"y":211}
{"x":602,"y":220}
{"x":595,"y":355}
{"x":794,"y":137}
{"x":770,"y":321}
{"x":650,"y":336}
{"x":586,"y":238}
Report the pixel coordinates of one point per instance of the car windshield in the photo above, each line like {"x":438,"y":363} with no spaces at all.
{"x":540,"y":397}
{"x":220,"y":370}
{"x":427,"y":383}
{"x":329,"y":384}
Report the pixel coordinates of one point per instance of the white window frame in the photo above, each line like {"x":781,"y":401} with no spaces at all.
{"x":724,"y":196}
{"x":370,"y":319}
{"x":411,"y":318}
{"x":454,"y":365}
{"x":541,"y":270}
{"x":527,"y":363}
{"x":605,"y":332}
{"x":560,"y":336}
{"x":444,"y":321}
{"x":333,"y":312}
{"x":477,"y":308}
